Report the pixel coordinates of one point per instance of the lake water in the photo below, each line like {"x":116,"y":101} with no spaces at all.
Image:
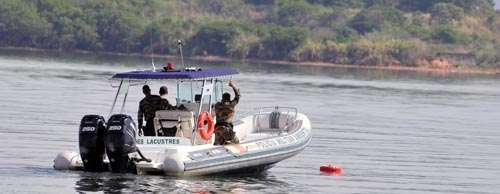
{"x":392,"y":132}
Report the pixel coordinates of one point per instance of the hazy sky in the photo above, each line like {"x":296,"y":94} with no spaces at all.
{"x":497,"y":4}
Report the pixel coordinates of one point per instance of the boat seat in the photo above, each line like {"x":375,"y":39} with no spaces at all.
{"x":191,"y":106}
{"x":275,"y":121}
{"x":182,"y":122}
{"x":194,"y":107}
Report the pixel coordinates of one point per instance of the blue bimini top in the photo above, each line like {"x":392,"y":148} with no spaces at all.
{"x":188,"y":73}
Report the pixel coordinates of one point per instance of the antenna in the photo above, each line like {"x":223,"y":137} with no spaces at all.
{"x":179,"y":45}
{"x":152,"y":48}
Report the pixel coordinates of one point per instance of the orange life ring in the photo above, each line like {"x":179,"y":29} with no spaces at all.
{"x":206,"y":134}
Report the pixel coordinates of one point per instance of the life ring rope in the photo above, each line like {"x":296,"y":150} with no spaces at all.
{"x":205,"y":134}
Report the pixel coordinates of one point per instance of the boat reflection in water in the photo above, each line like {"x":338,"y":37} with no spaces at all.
{"x":111,"y":182}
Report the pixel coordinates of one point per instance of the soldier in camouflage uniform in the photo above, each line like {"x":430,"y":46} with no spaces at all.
{"x":224,"y":111}
{"x":147,"y":109}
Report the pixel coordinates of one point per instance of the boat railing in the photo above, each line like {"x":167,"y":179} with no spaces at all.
{"x":274,"y":114}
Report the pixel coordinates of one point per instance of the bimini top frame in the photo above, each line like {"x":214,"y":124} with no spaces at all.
{"x":208,"y":77}
{"x":188,"y":73}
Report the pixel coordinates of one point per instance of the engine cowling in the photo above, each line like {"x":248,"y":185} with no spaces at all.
{"x":119,"y":142}
{"x":91,"y":142}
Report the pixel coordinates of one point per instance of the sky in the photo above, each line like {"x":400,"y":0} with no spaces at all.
{"x":497,"y":4}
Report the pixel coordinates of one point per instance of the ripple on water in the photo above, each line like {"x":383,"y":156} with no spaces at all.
{"x":391,"y":133}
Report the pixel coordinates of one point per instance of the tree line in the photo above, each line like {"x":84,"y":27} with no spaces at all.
{"x":358,"y":32}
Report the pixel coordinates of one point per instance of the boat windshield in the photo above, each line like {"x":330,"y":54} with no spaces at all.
{"x":189,"y":92}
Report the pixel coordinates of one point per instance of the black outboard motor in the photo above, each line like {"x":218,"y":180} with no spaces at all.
{"x":91,"y":142}
{"x":120,"y":141}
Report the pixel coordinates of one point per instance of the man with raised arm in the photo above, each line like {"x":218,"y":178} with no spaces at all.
{"x":224,"y":111}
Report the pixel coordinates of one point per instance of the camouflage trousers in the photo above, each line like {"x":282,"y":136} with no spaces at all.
{"x":224,"y":134}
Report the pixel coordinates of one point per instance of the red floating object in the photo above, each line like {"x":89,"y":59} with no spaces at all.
{"x":330,"y":169}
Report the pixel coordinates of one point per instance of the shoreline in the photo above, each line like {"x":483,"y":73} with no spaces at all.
{"x":211,"y":58}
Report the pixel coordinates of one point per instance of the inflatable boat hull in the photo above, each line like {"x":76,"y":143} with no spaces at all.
{"x":176,"y":157}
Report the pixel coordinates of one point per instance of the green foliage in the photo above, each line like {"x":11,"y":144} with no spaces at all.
{"x":298,"y":12}
{"x":309,"y":51}
{"x":369,"y":32}
{"x":449,"y":35}
{"x":419,"y":5}
{"x":346,"y":34}
{"x":214,"y":38}
{"x":161,"y":36}
{"x":241,"y":46}
{"x":373,"y":18}
{"x":340,"y":3}
{"x":335,"y":52}
{"x":446,"y":12}
{"x":489,"y":57}
{"x":281,"y":41}
{"x":406,"y":51}
{"x":475,"y":6}
{"x":294,"y":11}
{"x":419,"y":32}
{"x":21,"y":24}
{"x":381,"y":3}
{"x":228,"y":8}
{"x":261,"y":2}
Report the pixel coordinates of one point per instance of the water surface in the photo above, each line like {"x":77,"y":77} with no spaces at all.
{"x":392,"y":132}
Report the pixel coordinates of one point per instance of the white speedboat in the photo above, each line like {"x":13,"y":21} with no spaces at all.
{"x":268,"y":136}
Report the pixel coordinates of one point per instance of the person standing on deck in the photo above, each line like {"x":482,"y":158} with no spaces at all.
{"x":147,"y":109}
{"x":224,"y":111}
